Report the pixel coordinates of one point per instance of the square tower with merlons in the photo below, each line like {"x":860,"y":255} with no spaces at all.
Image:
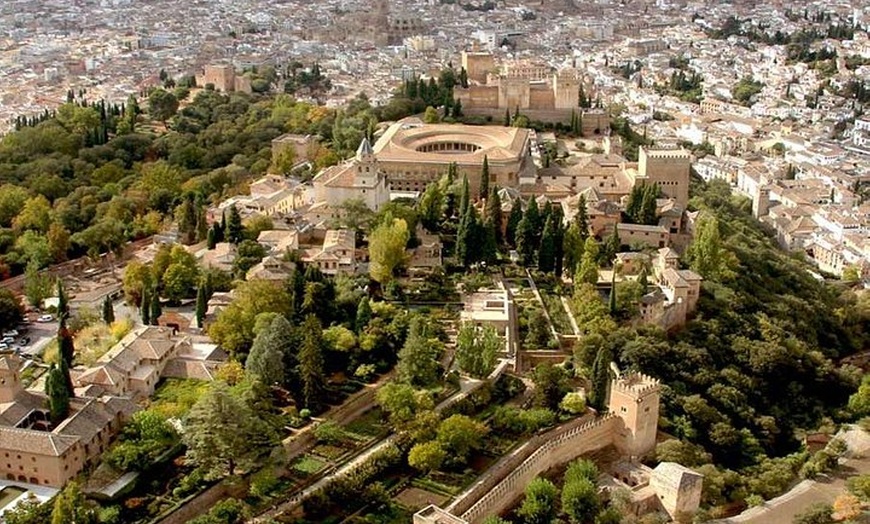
{"x":634,"y":397}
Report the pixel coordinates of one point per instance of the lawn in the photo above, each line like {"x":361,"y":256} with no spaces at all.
{"x":307,"y":465}
{"x":557,"y":313}
{"x":175,"y":396}
{"x":369,"y":425}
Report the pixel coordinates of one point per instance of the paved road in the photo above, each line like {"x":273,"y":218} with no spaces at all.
{"x":783,"y":509}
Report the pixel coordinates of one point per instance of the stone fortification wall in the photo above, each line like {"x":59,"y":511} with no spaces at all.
{"x":506,"y":481}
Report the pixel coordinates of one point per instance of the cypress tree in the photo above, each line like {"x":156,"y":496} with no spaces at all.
{"x":492,"y":214}
{"x":464,"y":199}
{"x":62,"y":302}
{"x":611,"y":247}
{"x":513,"y":223}
{"x":507,"y":117}
{"x":525,"y":236}
{"x":484,"y":178}
{"x":536,"y":222}
{"x":156,"y":310}
{"x":489,"y":244}
{"x":145,"y":308}
{"x":201,"y":305}
{"x":547,"y":249}
{"x":582,"y":217}
{"x":65,"y":346}
{"x":211,"y":239}
{"x":363,"y":315}
{"x":234,"y":232}
{"x":559,"y":241}
{"x":58,"y":395}
{"x":108,"y":310}
{"x":600,"y":379}
{"x":311,"y":362}
{"x":613,"y":291}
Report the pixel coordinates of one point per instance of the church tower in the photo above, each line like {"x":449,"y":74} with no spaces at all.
{"x":634,"y":397}
{"x":10,"y":381}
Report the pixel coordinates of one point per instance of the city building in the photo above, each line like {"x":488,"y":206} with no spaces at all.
{"x":35,"y":451}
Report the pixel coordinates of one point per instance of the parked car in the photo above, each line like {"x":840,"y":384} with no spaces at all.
{"x":45,"y":318}
{"x":11,"y":333}
{"x":24,"y":341}
{"x":7,"y":340}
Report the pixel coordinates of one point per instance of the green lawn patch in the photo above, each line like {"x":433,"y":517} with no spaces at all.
{"x":307,"y":465}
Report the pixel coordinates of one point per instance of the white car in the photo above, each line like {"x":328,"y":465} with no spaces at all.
{"x":12,"y":333}
{"x":45,"y":318}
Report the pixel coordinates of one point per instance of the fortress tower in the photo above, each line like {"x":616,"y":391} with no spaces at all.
{"x":566,"y":89}
{"x":10,"y":382}
{"x":634,"y":397}
{"x":669,"y":168}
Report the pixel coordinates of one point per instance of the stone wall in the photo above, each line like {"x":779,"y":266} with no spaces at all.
{"x":506,"y":481}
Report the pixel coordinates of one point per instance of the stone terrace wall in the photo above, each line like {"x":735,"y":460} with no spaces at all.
{"x":506,"y":481}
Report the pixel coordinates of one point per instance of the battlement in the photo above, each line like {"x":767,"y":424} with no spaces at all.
{"x":636,"y":384}
{"x":661,"y":153}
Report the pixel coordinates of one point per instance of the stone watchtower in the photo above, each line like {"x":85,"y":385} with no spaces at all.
{"x":634,"y":397}
{"x":10,"y":381}
{"x":566,"y":87}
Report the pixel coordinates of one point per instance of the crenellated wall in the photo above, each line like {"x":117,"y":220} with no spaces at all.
{"x":490,"y":495}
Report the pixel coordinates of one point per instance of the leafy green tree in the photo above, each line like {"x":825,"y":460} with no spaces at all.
{"x":34,"y":216}
{"x":108,"y":310}
{"x":431,"y":116}
{"x":551,"y":385}
{"x":580,"y":501}
{"x":266,"y":359}
{"x":11,"y":309}
{"x":587,"y":272}
{"x":427,"y":456}
{"x":162,"y":105}
{"x":402,"y":403}
{"x":70,"y":506}
{"x":311,"y":362}
{"x":58,"y":394}
{"x":573,"y":402}
{"x":818,"y":513}
{"x":707,"y":254}
{"x":484,"y":178}
{"x":432,"y":205}
{"x":387,"y":248}
{"x":477,"y":349}
{"x":418,"y":359}
{"x":222,"y":433}
{"x":234,"y":327}
{"x":539,"y":504}
{"x":461,"y":434}
{"x":859,"y":402}
{"x":12,"y":201}
{"x":137,"y":279}
{"x":37,"y":286}
{"x":58,"y":242}
{"x":513,"y":223}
